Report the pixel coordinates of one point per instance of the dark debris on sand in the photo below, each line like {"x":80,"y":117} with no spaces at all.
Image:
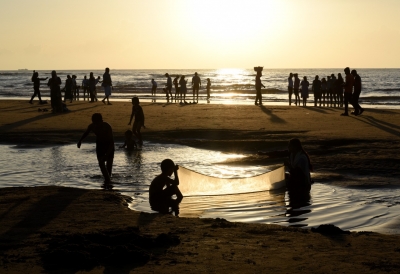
{"x":329,"y":230}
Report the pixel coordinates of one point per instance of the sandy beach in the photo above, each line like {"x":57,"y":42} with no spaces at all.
{"x":65,"y":230}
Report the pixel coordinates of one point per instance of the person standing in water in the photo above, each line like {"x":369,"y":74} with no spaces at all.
{"x":183,"y":88}
{"x":208,"y":88}
{"x":107,"y":85}
{"x":304,"y":90}
{"x":290,"y":88}
{"x":153,"y":87}
{"x":316,"y":88}
{"x":296,"y":87}
{"x":137,"y":111}
{"x":36,"y":86}
{"x":104,"y":145}
{"x":168,"y":87}
{"x":68,"y":89}
{"x":258,"y":86}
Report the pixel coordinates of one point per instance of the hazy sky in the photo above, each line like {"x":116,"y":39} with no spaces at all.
{"x":188,"y":34}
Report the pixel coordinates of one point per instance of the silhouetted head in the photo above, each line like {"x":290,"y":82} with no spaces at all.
{"x":73,"y":76}
{"x":135,"y":100}
{"x":107,"y":70}
{"x":295,"y":145}
{"x":69,"y":77}
{"x":166,"y":75}
{"x":296,"y":75}
{"x":305,"y":78}
{"x":354,"y":72}
{"x":291,"y":75}
{"x":54,"y":74}
{"x":91,"y":75}
{"x":208,"y":79}
{"x":35,"y":75}
{"x":167,"y":166}
{"x":84,"y":77}
{"x":323,"y":80}
{"x":332,"y":75}
{"x":347,"y":70}
{"x":328,"y":77}
{"x":128,"y":133}
{"x":316,"y":77}
{"x":195,"y":73}
{"x":183,"y":77}
{"x":97,"y":118}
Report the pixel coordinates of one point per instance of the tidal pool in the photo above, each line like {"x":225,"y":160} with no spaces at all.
{"x":367,"y":209}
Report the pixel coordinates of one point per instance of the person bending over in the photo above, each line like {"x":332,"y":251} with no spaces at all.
{"x":130,"y":143}
{"x":104,"y":145}
{"x":162,"y":188}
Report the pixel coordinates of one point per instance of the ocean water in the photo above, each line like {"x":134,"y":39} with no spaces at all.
{"x":381,"y":87}
{"x":367,"y":209}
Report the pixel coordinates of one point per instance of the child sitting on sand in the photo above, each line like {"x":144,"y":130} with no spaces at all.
{"x":130,"y":143}
{"x":162,"y":188}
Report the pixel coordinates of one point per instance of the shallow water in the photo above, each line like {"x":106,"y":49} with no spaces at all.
{"x":371,"y":209}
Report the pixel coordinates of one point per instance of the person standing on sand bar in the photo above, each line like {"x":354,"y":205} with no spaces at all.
{"x":316,"y":88}
{"x":196,"y":83}
{"x":168,"y":86}
{"x":137,"y":111}
{"x":153,"y":87}
{"x":296,"y":88}
{"x":183,"y":89}
{"x":107,"y":85}
{"x":348,"y":90}
{"x":358,"y":110}
{"x":85,"y":86}
{"x":68,"y":89}
{"x":176,"y":85}
{"x":290,"y":88}
{"x":55,"y":92}
{"x":104,"y":145}
{"x":36,"y":87}
{"x":258,"y":86}
{"x":208,"y":88}
{"x":304,"y":90}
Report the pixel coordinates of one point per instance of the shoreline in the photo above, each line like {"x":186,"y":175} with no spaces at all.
{"x":366,"y":146}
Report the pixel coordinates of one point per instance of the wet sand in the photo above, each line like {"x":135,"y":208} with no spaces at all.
{"x":41,"y":226}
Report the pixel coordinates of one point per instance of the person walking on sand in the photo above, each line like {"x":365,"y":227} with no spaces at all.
{"x":153,"y":87}
{"x":92,"y":87}
{"x":107,"y":85}
{"x":168,"y":87}
{"x":316,"y":88}
{"x":290,"y":88}
{"x":176,"y":85}
{"x":258,"y":86}
{"x":183,"y":88}
{"x":348,"y":90}
{"x":36,"y":87}
{"x":104,"y":145}
{"x":196,"y":83}
{"x":296,"y":87}
{"x":137,"y":111}
{"x":304,"y":90}
{"x":358,"y":110}
{"x":208,"y":88}
{"x":162,"y":188}
{"x":55,"y":92}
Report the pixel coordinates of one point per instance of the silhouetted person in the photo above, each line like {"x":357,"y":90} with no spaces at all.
{"x":196,"y":83}
{"x":328,"y":90}
{"x":68,"y":89}
{"x":183,"y":88}
{"x":92,"y":87}
{"x":348,"y":90}
{"x":107,"y":86}
{"x":324,"y":89}
{"x":177,"y":90}
{"x":333,"y":89}
{"x":129,"y":143}
{"x":36,"y":86}
{"x":208,"y":87}
{"x":296,"y":87}
{"x":339,"y":91}
{"x":137,"y":111}
{"x":104,"y":145}
{"x":358,"y":110}
{"x":316,"y":88}
{"x":153,"y":87}
{"x":55,"y":92}
{"x":85,"y":87}
{"x":299,"y":165}
{"x":258,"y":85}
{"x":75,"y":89}
{"x":162,"y":188}
{"x":304,"y":90}
{"x":168,"y":87}
{"x":290,"y":87}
